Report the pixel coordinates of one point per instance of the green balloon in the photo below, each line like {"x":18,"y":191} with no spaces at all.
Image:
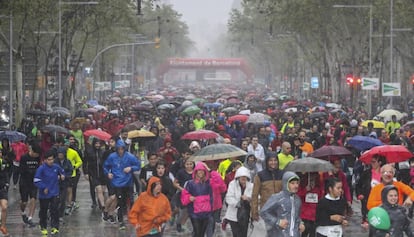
{"x":379,"y":218}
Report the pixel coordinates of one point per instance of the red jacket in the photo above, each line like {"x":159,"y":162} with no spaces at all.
{"x":308,"y":209}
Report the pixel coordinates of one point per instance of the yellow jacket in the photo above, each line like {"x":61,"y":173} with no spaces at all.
{"x":74,"y":158}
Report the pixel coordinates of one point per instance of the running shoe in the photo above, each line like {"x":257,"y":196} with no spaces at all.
{"x":54,"y":231}
{"x":122,"y":226}
{"x":25,"y":218}
{"x":111,"y":219}
{"x":30,"y":223}
{"x":75,"y":205}
{"x":43,"y":231}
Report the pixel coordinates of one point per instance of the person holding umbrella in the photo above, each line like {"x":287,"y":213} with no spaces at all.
{"x":369,"y":177}
{"x":310,"y":191}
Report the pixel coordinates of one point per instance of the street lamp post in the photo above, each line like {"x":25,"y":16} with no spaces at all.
{"x":60,"y":42}
{"x":114,"y":46}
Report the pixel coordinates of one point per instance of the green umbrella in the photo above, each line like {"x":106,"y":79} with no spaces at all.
{"x":198,"y":101}
{"x":191,"y":110}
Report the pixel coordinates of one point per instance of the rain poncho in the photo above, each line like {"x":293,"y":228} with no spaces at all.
{"x":283,"y":205}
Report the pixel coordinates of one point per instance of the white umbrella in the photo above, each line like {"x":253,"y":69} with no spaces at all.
{"x":333,"y":105}
{"x":246,"y":111}
{"x":293,"y":109}
{"x":100,"y":107}
{"x":388,"y":113}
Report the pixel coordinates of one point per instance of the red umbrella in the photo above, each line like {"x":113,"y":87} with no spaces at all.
{"x":239,"y":117}
{"x":327,"y":151}
{"x":102,"y":135}
{"x":392,"y":153}
{"x":200,"y":135}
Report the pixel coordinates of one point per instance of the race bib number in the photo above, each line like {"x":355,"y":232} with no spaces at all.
{"x":311,"y":198}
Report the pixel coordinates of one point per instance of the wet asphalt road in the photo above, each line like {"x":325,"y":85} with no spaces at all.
{"x":86,"y":222}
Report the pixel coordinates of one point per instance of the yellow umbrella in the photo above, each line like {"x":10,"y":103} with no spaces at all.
{"x":140,"y":134}
{"x":377,"y":124}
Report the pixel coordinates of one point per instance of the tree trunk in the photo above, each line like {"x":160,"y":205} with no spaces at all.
{"x":19,"y":89}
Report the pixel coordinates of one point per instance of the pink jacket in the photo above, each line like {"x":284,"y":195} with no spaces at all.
{"x":412,"y":175}
{"x":218,"y":187}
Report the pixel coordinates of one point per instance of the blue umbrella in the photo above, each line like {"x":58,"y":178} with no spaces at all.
{"x":92,"y":102}
{"x":364,"y":143}
{"x":13,"y":136}
{"x":212,"y":105}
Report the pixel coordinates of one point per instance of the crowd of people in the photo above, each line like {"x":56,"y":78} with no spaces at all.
{"x":154,"y":181}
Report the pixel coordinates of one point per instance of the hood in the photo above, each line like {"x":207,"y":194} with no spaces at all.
{"x":287,"y":177}
{"x":61,"y":150}
{"x":384,"y":194}
{"x":120,"y":143}
{"x":201,"y":166}
{"x":151,"y":184}
{"x":167,"y":139}
{"x":271,"y":155}
{"x":242,"y":171}
{"x":246,"y":164}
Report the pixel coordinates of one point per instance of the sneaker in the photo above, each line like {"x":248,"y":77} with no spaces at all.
{"x":68,"y":210}
{"x":25,"y":218}
{"x":61,"y":220}
{"x":75,"y":205}
{"x":122,"y":226}
{"x":54,"y":231}
{"x":30,"y":223}
{"x":94,"y":205}
{"x":43,"y":231}
{"x":111,"y":219}
{"x":4,"y":231}
{"x":105,"y":216}
{"x":224,"y":224}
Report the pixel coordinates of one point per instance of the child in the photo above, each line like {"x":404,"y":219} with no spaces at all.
{"x":400,"y":224}
{"x":279,"y":209}
{"x":47,"y":180}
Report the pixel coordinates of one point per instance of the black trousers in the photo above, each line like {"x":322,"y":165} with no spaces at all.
{"x":122,"y":195}
{"x":51,"y":204}
{"x":310,"y":228}
{"x":239,"y":229}
{"x":199,"y":226}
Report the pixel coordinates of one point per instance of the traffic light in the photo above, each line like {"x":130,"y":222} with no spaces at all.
{"x":358,"y":80}
{"x":412,"y":81}
{"x":350,"y":79}
{"x":157,"y":41}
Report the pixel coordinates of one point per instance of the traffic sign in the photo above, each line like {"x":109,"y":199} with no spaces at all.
{"x":314,"y":82}
{"x":370,"y":83}
{"x":391,"y":89}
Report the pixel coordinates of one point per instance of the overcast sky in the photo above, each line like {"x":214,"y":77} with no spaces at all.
{"x":207,"y":19}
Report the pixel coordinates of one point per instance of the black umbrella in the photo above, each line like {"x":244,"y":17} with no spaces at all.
{"x":53,"y":129}
{"x":317,"y":115}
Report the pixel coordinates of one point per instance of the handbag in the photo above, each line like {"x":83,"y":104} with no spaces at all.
{"x":243,"y":212}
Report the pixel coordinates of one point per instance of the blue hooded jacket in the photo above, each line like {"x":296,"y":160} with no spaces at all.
{"x":115,"y":164}
{"x":47,"y":177}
